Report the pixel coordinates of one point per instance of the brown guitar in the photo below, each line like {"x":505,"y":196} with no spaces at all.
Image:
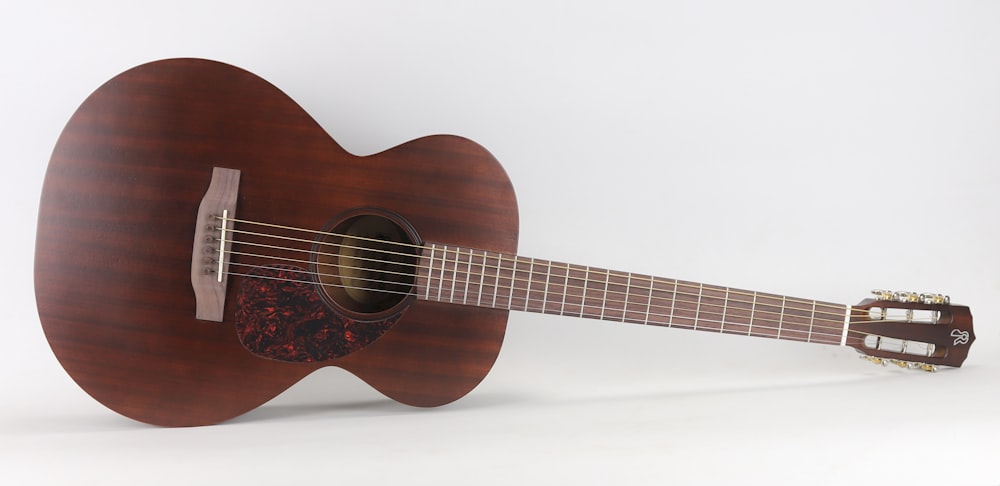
{"x":203,"y":244}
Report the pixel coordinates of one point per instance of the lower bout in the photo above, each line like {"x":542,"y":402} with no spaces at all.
{"x":436,"y":354}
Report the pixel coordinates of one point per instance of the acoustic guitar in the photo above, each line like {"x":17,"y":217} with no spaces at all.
{"x":203,"y":244}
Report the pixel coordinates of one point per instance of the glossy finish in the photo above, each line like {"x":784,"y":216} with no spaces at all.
{"x":116,"y":222}
{"x":951,"y":333}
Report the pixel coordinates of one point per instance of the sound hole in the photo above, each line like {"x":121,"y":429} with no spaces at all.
{"x":367,"y":263}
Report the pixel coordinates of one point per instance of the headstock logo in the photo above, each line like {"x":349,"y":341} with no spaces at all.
{"x":961,"y":337}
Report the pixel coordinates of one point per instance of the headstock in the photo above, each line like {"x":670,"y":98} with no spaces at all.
{"x":911,"y":330}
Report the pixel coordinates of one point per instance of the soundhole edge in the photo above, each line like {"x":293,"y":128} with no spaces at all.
{"x":366,"y":263}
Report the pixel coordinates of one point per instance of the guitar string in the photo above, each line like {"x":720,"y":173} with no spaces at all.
{"x":467,"y":252}
{"x":837,"y":317}
{"x":529,"y":306}
{"x":471,"y":253}
{"x":512,"y":286}
{"x":834,"y":338}
{"x":639,"y":278}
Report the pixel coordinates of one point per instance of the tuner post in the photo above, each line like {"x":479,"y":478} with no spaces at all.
{"x":929,"y":298}
{"x":909,"y":365}
{"x":938,"y":299}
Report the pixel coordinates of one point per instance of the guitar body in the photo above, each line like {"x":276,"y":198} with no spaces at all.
{"x":117,"y":220}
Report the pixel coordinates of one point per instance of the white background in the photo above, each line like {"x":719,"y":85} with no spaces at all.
{"x":811,"y":149}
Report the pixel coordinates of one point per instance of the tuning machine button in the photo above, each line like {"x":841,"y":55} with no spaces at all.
{"x":935,"y":299}
{"x":912,"y":365}
{"x":911,"y":297}
{"x":882,"y":294}
{"x":890,"y":295}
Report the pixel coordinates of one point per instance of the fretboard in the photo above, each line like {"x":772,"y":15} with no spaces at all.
{"x":481,"y":278}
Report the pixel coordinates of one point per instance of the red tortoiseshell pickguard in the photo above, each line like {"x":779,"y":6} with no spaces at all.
{"x":280,"y":315}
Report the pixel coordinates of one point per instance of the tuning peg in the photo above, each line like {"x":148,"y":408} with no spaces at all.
{"x":882,"y":294}
{"x":935,"y":299}
{"x":896,"y":296}
{"x":924,"y":298}
{"x":912,"y":365}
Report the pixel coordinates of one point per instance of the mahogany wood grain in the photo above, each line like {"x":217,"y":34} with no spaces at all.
{"x":117,"y":219}
{"x":116,"y":224}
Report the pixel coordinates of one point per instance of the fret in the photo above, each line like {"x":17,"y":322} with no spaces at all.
{"x":649,"y":301}
{"x":595,"y":292}
{"x":498,"y":288}
{"x":697,"y":307}
{"x":534,"y":290}
{"x":444,"y":258}
{"x":480,"y":278}
{"x":545,"y":288}
{"x":722,"y":317}
{"x":615,"y":296}
{"x":523,"y":283}
{"x":440,"y":273}
{"x":628,"y":295}
{"x":812,"y":322}
{"x":492,"y":290}
{"x":513,"y":282}
{"x":739,"y":312}
{"x":508,"y":274}
{"x":685,"y":304}
{"x":454,"y":276}
{"x":519,"y":284}
{"x":527,"y":288}
{"x":796,"y":320}
{"x":604,"y":295}
{"x":637,"y":299}
{"x":781,"y":318}
{"x":538,"y":285}
{"x":422,"y":284}
{"x":673,"y":305}
{"x":829,"y":323}
{"x":430,"y":266}
{"x":576,"y":281}
{"x":468,"y":277}
{"x":711,"y":302}
{"x":768,"y":315}
{"x":547,"y":284}
{"x":565,"y":291}
{"x":452,"y":266}
{"x":473,"y":278}
{"x":661,"y":301}
{"x":444,"y":276}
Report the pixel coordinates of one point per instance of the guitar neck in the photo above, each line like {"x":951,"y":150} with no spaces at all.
{"x":481,"y":278}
